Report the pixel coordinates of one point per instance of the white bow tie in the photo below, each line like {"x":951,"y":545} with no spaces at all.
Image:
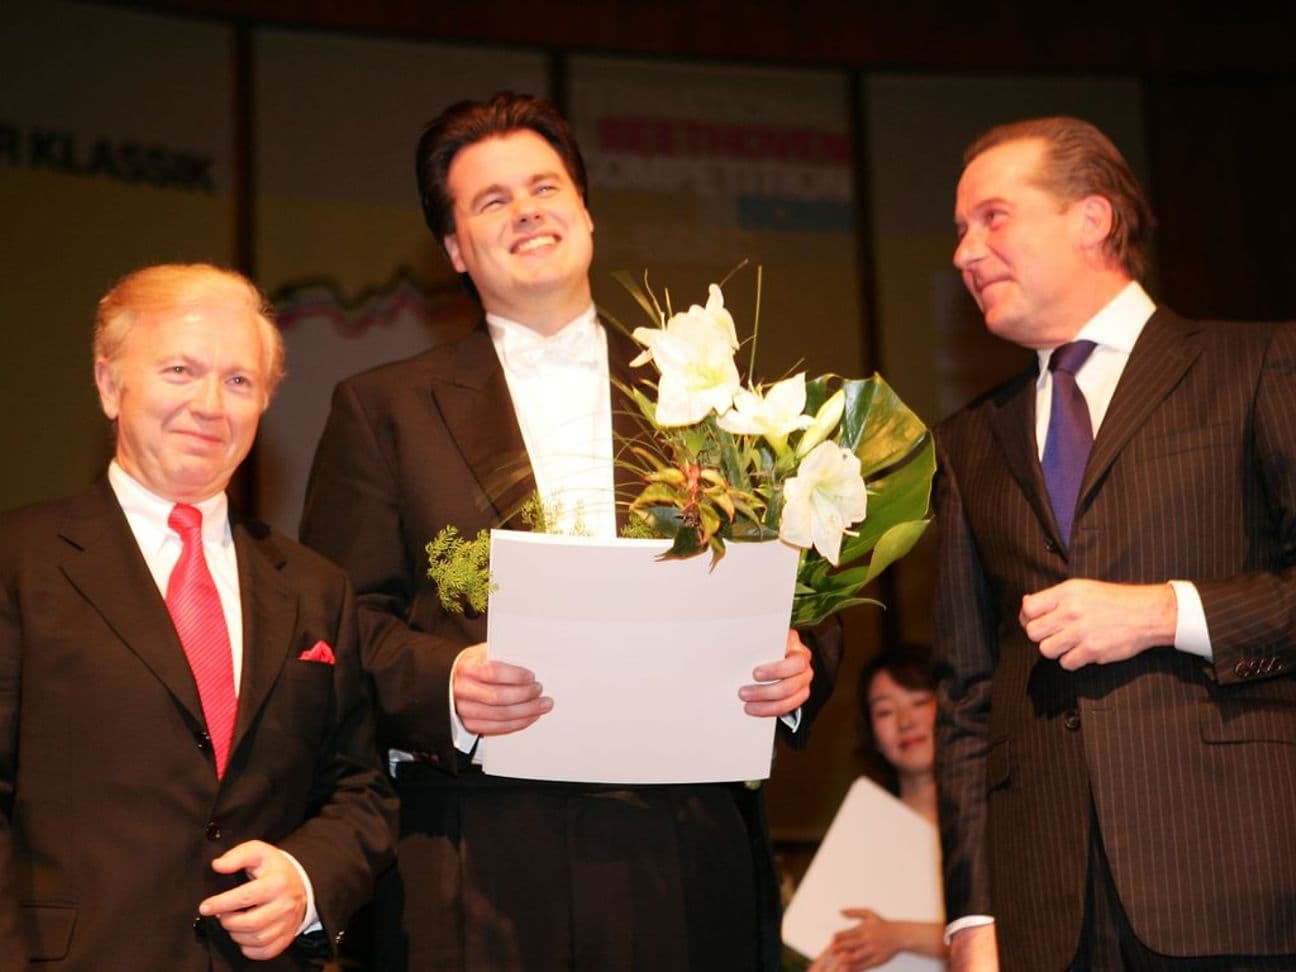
{"x":525,"y":352}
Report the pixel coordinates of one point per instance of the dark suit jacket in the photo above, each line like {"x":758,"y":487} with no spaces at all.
{"x":110,"y":810}
{"x":409,"y":448}
{"x":1190,"y":766}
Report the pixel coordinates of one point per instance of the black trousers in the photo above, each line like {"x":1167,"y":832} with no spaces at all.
{"x":534,"y":877}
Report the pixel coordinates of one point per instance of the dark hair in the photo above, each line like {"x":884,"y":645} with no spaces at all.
{"x":1079,"y":161}
{"x":910,"y":667}
{"x":468,"y":122}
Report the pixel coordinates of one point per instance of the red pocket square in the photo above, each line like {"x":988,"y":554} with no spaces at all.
{"x":319,"y":652}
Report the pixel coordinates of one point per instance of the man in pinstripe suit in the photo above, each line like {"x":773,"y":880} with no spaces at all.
{"x":1117,"y":758}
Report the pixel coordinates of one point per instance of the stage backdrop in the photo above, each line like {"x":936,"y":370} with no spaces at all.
{"x":114,"y":152}
{"x":356,"y":277}
{"x":694,"y":169}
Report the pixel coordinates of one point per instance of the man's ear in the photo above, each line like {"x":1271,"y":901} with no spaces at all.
{"x":1095,"y":221}
{"x":109,"y":385}
{"x":451,"y":244}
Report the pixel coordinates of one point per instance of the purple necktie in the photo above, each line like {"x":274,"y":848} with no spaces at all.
{"x":1070,"y":434}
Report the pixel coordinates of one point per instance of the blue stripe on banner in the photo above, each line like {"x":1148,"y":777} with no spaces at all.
{"x":780,"y":213}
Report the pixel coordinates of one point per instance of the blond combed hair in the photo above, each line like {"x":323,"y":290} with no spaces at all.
{"x":174,"y":287}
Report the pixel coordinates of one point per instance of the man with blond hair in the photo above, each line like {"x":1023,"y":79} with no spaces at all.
{"x":187,"y":779}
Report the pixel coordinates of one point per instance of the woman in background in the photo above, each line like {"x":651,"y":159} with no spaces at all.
{"x":897,"y":705}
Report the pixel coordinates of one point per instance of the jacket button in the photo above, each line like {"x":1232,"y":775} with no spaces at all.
{"x":214,"y":831}
{"x":1071,"y":720}
{"x":200,"y":928}
{"x":204,"y":741}
{"x":1052,"y":547}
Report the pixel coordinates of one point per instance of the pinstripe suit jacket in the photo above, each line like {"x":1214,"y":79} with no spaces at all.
{"x":1191,"y":764}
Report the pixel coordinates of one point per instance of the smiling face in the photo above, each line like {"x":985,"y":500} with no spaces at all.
{"x":903,"y":722}
{"x":522,"y":232}
{"x":1033,"y":262}
{"x":186,"y":389}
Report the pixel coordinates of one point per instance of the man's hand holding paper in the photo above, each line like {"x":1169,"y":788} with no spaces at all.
{"x":783,"y":686}
{"x":493,"y":697}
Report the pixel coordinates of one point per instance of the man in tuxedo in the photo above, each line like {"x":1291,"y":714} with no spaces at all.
{"x":494,"y":873}
{"x":1117,"y":594}
{"x":187,"y":775}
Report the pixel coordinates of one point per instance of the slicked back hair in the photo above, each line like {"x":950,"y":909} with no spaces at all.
{"x":1079,"y":160}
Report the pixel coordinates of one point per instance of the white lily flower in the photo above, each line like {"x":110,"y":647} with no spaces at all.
{"x":825,"y":497}
{"x":694,"y":353}
{"x":825,"y":421}
{"x":774,"y":415}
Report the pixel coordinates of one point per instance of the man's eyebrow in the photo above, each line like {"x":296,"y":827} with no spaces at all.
{"x":490,"y":190}
{"x":981,"y":204}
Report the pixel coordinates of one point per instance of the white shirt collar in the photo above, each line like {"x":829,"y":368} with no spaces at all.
{"x":498,"y":324}
{"x":148,"y":512}
{"x":1116,"y":327}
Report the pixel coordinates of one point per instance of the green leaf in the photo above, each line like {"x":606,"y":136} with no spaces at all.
{"x":642,"y":297}
{"x":807,"y":612}
{"x":876,"y":425}
{"x":818,"y":391}
{"x":687,"y":544}
{"x":901,"y":496}
{"x":658,"y":493}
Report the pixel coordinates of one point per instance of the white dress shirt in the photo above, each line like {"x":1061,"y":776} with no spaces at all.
{"x":1114,"y":329}
{"x":562,"y":398}
{"x":147,"y":514}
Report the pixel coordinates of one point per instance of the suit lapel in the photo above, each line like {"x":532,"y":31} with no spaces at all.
{"x":269,"y":620}
{"x":1012,"y":418}
{"x":1163,"y":353}
{"x":106,"y":566}
{"x":470,"y":391}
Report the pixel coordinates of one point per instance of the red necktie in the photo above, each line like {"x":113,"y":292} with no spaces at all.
{"x":199,"y":621}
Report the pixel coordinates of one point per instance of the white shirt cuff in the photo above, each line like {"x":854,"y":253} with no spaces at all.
{"x":967,"y":921}
{"x":463,"y":740}
{"x":792,"y":719}
{"x":311,"y":921}
{"x":1191,"y":633}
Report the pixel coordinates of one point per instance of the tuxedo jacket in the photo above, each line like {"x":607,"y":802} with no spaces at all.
{"x":408,"y":449}
{"x":1187,"y":765}
{"x":110,"y":809}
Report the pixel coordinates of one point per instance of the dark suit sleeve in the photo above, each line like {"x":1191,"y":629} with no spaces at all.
{"x":1252,"y":617}
{"x":826,"y":642}
{"x":348,"y":837}
{"x":965,"y":651}
{"x":12,"y":943}
{"x":353,"y":515}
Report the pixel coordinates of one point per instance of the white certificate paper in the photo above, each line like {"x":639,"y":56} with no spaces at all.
{"x":877,"y":854}
{"x":642,"y":658}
